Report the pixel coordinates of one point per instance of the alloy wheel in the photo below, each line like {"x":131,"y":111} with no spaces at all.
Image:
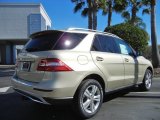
{"x":91,"y":99}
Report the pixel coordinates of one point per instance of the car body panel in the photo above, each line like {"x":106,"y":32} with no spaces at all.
{"x":112,"y":67}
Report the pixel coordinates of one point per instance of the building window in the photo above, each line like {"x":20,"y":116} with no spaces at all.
{"x":34,"y":23}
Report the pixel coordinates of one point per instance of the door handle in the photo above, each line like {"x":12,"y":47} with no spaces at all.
{"x":126,"y":60}
{"x":99,"y":58}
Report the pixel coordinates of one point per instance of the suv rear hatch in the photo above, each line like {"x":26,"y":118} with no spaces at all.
{"x":40,"y":46}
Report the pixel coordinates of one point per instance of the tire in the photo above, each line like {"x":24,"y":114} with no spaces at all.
{"x":147,"y":81}
{"x":88,"y":98}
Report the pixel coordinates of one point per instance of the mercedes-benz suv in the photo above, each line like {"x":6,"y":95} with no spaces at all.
{"x":79,"y":65}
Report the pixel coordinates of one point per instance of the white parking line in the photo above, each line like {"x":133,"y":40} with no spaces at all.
{"x":4,"y":89}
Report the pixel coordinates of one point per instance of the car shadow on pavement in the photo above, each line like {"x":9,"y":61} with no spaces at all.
{"x":12,"y":107}
{"x":112,"y":95}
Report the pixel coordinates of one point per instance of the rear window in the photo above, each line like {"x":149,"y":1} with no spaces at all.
{"x":54,"y":41}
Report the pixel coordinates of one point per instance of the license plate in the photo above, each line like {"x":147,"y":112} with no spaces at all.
{"x":26,"y":66}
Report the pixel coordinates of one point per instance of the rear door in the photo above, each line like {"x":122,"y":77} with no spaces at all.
{"x":105,"y":55}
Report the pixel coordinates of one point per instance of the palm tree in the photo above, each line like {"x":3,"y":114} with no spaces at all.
{"x":90,"y":20}
{"x":113,"y":5}
{"x":131,"y":15}
{"x":129,"y":9}
{"x":97,"y":4}
{"x":108,"y":10}
{"x":89,"y":9}
{"x":110,"y":5}
{"x":120,"y":6}
{"x":80,"y":4}
{"x":155,"y":50}
{"x":94,"y":13}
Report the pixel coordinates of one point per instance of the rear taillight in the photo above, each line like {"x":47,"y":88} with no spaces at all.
{"x":52,"y":64}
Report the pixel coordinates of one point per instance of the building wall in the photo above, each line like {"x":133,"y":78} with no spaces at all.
{"x":46,"y":17}
{"x":13,"y":20}
{"x":17,"y":22}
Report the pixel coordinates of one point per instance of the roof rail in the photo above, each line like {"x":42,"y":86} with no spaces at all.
{"x":90,"y":30}
{"x":83,"y":29}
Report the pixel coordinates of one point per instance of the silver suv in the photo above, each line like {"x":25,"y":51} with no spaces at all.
{"x":79,"y":65}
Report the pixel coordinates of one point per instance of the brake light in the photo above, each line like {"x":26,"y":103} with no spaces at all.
{"x":52,"y":64}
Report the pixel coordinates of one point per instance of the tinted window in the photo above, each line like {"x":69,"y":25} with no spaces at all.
{"x":96,"y":45}
{"x":54,"y":41}
{"x":124,"y":47}
{"x":104,"y":44}
{"x":69,"y":41}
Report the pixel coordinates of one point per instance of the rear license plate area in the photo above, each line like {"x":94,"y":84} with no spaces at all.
{"x":26,"y":66}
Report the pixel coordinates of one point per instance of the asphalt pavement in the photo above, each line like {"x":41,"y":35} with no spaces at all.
{"x":130,"y":104}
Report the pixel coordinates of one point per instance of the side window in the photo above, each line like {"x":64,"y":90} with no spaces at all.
{"x":124,"y":47}
{"x":108,"y":44}
{"x":96,"y":45}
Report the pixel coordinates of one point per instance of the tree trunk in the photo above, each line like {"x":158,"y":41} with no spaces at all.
{"x":134,"y":14}
{"x":94,"y":13}
{"x":95,"y":19}
{"x":90,"y":21}
{"x":155,"y":50}
{"x":109,"y":13}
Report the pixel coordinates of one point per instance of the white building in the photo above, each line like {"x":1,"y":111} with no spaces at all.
{"x":17,"y":22}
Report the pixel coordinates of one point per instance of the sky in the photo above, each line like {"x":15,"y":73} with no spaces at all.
{"x":63,"y":17}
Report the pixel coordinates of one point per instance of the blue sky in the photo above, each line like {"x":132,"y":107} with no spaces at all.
{"x":62,"y":16}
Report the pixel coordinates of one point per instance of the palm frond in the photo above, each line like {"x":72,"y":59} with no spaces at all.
{"x":74,"y":0}
{"x":126,"y":15}
{"x":139,"y":23}
{"x":146,"y":11}
{"x":85,"y":12}
{"x":104,"y":12}
{"x":120,"y":5}
{"x":78,"y":6}
{"x":146,"y":2}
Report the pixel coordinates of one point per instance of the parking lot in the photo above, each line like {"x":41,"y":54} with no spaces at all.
{"x":123,"y":105}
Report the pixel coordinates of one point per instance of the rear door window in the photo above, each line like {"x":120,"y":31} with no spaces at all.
{"x":104,"y":43}
{"x":56,"y":40}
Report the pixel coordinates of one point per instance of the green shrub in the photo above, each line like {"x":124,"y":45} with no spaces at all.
{"x":135,"y":36}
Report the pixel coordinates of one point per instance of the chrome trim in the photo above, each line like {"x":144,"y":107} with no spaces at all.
{"x":23,"y":83}
{"x":41,"y":100}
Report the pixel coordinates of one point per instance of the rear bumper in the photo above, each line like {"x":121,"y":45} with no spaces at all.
{"x":47,"y":101}
{"x":32,"y":91}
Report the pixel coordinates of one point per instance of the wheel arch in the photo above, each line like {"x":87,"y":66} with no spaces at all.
{"x":95,"y":77}
{"x":150,"y":68}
